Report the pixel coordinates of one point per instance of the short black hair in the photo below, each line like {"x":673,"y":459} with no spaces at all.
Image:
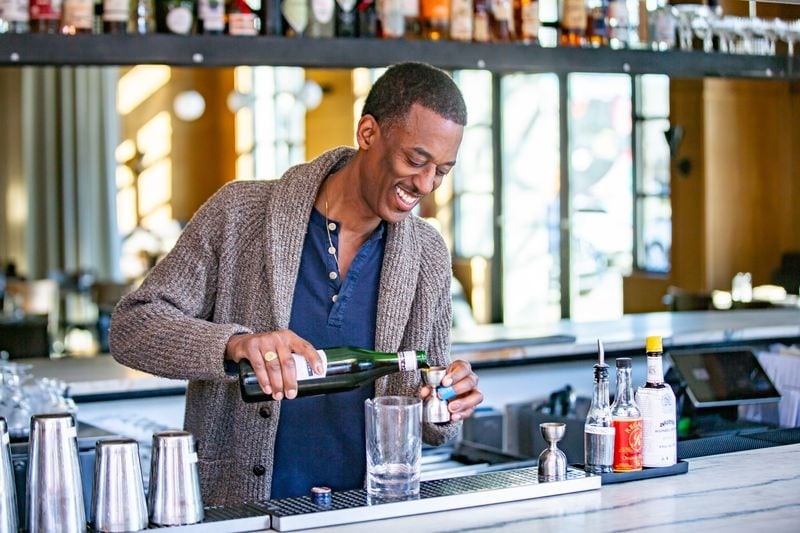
{"x":409,"y":83}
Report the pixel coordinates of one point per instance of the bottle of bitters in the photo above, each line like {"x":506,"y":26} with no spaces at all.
{"x":627,"y":420}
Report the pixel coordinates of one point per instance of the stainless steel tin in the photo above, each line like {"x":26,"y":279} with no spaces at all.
{"x":118,"y":502}
{"x":8,"y":493}
{"x":174,"y":497}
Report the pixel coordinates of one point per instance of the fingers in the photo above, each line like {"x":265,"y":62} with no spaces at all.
{"x":458,"y":370}
{"x":461,"y":389}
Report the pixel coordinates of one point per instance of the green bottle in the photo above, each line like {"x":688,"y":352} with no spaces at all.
{"x":346,"y":368}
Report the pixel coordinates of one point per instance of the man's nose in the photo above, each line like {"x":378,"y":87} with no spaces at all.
{"x":426,"y":180}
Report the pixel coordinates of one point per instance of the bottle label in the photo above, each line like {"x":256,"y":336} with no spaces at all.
{"x":179,"y":20}
{"x":14,"y":10}
{"x":45,"y":9}
{"x":323,"y":10}
{"x":115,"y":10}
{"x":296,"y":14}
{"x":407,"y":360}
{"x":530,"y":20}
{"x":392,"y":15}
{"x":599,"y":430}
{"x":655,"y":370}
{"x":461,"y":20}
{"x":435,"y":9}
{"x":410,"y":8}
{"x":618,"y":20}
{"x":574,"y":16}
{"x":78,"y":14}
{"x":212,"y":13}
{"x":481,"y":27}
{"x":659,"y":430}
{"x":627,"y":444}
{"x":303,"y":367}
{"x":501,"y":9}
{"x":242,"y":24}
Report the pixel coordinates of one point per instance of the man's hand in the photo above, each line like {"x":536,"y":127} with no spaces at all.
{"x":462,"y":383}
{"x":270,"y":354}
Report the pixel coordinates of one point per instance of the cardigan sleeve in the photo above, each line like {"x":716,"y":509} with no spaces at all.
{"x":164,"y":326}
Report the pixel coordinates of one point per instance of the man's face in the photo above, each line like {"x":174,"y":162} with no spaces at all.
{"x":406,"y":161}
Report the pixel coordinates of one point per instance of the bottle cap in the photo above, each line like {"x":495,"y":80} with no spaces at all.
{"x":654,"y":344}
{"x":321,"y":495}
{"x":623,"y":362}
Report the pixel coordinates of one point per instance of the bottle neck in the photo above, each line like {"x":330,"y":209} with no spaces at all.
{"x":624,"y":386}
{"x":655,"y":370}
{"x":600,"y":395}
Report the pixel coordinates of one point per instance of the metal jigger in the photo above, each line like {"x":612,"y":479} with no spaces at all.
{"x":552,"y":461}
{"x":435,"y":408}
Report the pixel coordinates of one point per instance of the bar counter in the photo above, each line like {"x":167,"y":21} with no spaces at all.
{"x":745,"y":491}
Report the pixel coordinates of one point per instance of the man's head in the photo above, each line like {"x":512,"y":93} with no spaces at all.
{"x":408,"y":136}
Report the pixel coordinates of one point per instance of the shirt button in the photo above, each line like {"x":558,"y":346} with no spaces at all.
{"x":335,"y":297}
{"x":331,"y":250}
{"x":259,"y":470}
{"x":331,"y":226}
{"x":333,"y":275}
{"x":264,"y":412}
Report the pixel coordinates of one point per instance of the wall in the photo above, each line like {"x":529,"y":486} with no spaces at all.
{"x":332,"y":123}
{"x":12,"y":180}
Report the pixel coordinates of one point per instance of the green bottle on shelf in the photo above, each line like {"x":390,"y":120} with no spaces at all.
{"x":346,"y":368}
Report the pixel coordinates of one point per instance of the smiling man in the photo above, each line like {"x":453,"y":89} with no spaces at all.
{"x":328,"y":255}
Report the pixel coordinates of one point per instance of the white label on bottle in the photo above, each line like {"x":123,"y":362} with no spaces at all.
{"x":659,"y":430}
{"x":598,"y":430}
{"x":407,"y":360}
{"x":392,"y":18}
{"x":304,"y":369}
{"x":78,"y":14}
{"x":296,"y":14}
{"x":530,"y":20}
{"x":4,"y":439}
{"x":14,"y":10}
{"x":574,"y":16}
{"x":323,"y":10}
{"x":212,"y":13}
{"x":411,"y":8}
{"x":461,"y":20}
{"x":115,"y":10}
{"x":191,"y":458}
{"x":346,"y":5}
{"x":71,"y":432}
{"x":179,"y":20}
{"x":242,"y":24}
{"x":655,"y":370}
{"x":501,"y":9}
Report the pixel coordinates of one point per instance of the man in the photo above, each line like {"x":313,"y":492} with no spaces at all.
{"x":329,"y":255}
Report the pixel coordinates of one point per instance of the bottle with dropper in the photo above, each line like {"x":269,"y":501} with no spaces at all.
{"x":598,"y":433}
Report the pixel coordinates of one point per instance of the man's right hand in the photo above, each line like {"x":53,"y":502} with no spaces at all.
{"x":270,"y":355}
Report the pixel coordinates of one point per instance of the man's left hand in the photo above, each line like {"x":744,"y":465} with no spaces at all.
{"x":462,"y":383}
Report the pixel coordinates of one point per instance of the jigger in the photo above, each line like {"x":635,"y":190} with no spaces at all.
{"x":8,"y":494}
{"x":174,"y":496}
{"x":552,"y":461}
{"x":118,"y":502}
{"x":435,"y":408}
{"x":54,"y":499}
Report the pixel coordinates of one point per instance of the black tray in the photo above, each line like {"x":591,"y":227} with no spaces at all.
{"x":681,"y":467}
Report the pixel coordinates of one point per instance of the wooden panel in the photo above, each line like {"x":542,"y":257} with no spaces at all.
{"x":12,"y":181}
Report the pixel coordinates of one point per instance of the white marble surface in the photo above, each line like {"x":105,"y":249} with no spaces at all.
{"x":757,"y":490}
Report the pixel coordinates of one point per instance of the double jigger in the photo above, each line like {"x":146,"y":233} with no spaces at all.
{"x":54,"y":497}
{"x":552,"y":461}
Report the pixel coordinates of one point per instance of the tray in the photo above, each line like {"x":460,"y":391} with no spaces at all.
{"x":681,"y":467}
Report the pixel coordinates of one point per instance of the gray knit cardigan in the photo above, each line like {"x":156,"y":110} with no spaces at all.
{"x":234,"y":270}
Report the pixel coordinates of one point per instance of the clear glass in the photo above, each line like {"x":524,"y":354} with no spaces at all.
{"x":624,"y":405}
{"x":601,"y":193}
{"x":653,"y":96}
{"x":599,"y":429}
{"x":394,"y":447}
{"x":531,"y":199}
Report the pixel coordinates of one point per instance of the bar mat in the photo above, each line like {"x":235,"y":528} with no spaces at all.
{"x":681,"y":467}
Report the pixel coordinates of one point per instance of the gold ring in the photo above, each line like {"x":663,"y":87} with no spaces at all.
{"x":269,"y":356}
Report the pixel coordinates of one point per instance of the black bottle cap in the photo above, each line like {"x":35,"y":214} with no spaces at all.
{"x":623,"y":362}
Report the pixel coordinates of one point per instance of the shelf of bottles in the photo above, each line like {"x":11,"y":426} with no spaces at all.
{"x":498,"y":35}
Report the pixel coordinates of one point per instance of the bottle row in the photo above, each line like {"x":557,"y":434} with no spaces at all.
{"x":618,"y":23}
{"x":637,"y":430}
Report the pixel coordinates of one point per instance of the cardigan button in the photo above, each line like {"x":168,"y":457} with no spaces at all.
{"x":264,"y":412}
{"x":259,"y":470}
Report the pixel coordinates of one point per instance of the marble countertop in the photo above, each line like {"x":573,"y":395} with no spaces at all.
{"x":745,"y":491}
{"x":493,"y":345}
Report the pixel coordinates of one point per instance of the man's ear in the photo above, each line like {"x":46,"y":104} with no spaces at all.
{"x":367,"y":131}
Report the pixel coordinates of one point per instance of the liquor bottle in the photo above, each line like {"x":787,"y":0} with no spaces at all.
{"x":45,"y":16}
{"x":661,"y":24}
{"x":572,"y":18}
{"x":526,"y":20}
{"x":481,"y":21}
{"x":392,"y":14}
{"x":598,"y":433}
{"x":657,"y":403}
{"x":502,"y":20}
{"x":295,"y":17}
{"x":76,"y":16}
{"x":367,"y":18}
{"x":211,"y":17}
{"x":411,"y":16}
{"x":320,"y":18}
{"x":618,"y":24}
{"x":142,"y":19}
{"x":14,"y":16}
{"x":596,"y":31}
{"x":627,"y":422}
{"x":175,"y":16}
{"x":271,"y":17}
{"x":461,"y":20}
{"x":116,"y":14}
{"x":345,"y":368}
{"x":346,"y":18}
{"x":435,"y":19}
{"x":241,"y":19}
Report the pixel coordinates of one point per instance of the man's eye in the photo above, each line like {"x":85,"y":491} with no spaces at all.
{"x":418,"y":164}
